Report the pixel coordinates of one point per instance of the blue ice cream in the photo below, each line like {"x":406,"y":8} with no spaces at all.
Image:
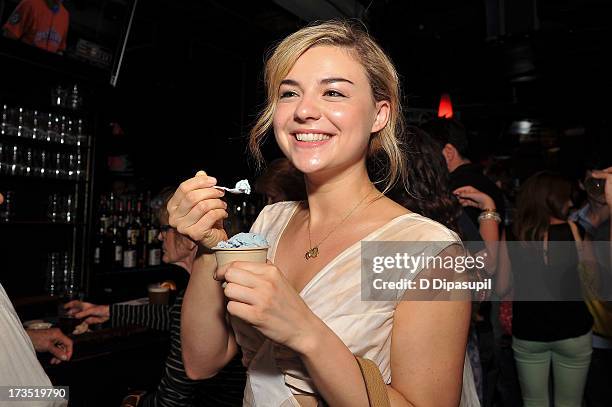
{"x":243,"y":240}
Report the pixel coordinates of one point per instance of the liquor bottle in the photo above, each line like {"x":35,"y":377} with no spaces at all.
{"x":129,"y":254}
{"x":132,"y":231}
{"x":100,"y":249}
{"x":117,"y":246}
{"x":140,"y":221}
{"x":153,"y":244}
{"x":105,"y":216}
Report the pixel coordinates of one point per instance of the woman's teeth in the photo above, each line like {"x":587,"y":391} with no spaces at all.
{"x":311,"y":136}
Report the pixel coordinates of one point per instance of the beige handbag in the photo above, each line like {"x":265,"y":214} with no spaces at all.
{"x":375,"y":385}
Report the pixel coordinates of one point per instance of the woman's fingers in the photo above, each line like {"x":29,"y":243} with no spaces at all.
{"x":203,"y":229}
{"x":241,"y":310}
{"x":197,"y":182}
{"x":237,"y":292}
{"x":464,"y":189}
{"x":200,"y":211}
{"x":194,"y":198}
{"x":240,"y":276}
{"x":191,"y":200}
{"x":258,"y":269}
{"x":601,"y":174}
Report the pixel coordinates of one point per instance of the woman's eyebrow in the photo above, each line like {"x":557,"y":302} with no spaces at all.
{"x":289,"y":82}
{"x":327,"y":81}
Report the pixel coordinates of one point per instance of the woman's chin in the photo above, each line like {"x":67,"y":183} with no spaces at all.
{"x":309,"y":167}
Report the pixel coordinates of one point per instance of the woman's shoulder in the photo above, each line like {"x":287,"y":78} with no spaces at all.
{"x":412,"y":226}
{"x":274,"y":214}
{"x":279,"y":209}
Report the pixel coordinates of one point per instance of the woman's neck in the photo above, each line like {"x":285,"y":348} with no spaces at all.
{"x":187,"y":262}
{"x":333,"y":197}
{"x":597,"y":212}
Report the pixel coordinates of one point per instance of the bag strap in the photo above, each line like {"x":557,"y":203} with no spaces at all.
{"x":375,"y":385}
{"x":577,"y":240}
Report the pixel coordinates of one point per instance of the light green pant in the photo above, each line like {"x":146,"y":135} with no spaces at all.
{"x":570,"y":365}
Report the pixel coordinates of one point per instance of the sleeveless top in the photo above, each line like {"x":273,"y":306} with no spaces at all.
{"x":275,"y":373}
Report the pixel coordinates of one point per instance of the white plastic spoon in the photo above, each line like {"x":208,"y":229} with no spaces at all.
{"x":242,"y":187}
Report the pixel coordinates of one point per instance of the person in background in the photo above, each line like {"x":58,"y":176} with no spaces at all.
{"x":175,"y":388}
{"x":454,"y":147}
{"x":451,"y":136}
{"x":281,"y":181}
{"x":595,"y":211}
{"x":429,"y":194}
{"x":547,"y":330}
{"x":20,"y":367}
{"x":41,"y":23}
{"x":596,"y":218}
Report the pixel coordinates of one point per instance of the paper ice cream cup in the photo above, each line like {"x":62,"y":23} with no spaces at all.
{"x":254,"y":254}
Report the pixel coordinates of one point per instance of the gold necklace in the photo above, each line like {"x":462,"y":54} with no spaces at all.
{"x":314,"y":251}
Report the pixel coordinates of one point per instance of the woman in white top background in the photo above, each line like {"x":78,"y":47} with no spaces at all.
{"x":334,"y":106}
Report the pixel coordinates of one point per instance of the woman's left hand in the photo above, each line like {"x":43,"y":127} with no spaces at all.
{"x":259,"y":294}
{"x":470,"y":196}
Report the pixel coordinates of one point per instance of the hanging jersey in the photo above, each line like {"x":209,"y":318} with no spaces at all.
{"x":34,"y":23}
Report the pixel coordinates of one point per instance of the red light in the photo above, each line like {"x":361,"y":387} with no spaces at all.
{"x":445,"y":109}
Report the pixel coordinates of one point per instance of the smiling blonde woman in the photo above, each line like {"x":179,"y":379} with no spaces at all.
{"x":334,"y":107}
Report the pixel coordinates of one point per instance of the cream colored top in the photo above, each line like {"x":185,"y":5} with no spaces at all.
{"x":275,"y":373}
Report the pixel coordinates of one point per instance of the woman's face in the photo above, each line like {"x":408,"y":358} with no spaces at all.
{"x":326,"y":112}
{"x":175,"y":247}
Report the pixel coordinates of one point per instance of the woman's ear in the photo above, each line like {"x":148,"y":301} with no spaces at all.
{"x":383,"y":111}
{"x":184,"y":245}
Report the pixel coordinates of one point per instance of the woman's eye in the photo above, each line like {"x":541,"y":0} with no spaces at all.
{"x":333,"y":93}
{"x":287,"y":94}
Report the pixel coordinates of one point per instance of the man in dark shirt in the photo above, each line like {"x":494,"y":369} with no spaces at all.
{"x":452,"y":138}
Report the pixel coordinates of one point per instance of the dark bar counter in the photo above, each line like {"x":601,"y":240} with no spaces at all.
{"x":108,"y":362}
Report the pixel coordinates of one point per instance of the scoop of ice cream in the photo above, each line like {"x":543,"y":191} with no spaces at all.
{"x":242,"y":240}
{"x":243,"y":185}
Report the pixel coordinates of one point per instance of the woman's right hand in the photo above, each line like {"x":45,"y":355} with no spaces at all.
{"x":197,"y":211}
{"x":92,"y":313}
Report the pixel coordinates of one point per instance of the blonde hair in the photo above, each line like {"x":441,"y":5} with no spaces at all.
{"x":385,"y":145}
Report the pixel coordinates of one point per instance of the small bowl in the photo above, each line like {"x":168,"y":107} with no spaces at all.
{"x":37,"y":324}
{"x":254,"y":254}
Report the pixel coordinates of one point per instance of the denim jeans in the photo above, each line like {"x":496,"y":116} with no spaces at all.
{"x":570,"y":360}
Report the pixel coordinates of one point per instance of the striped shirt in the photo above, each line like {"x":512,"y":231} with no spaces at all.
{"x":175,"y":388}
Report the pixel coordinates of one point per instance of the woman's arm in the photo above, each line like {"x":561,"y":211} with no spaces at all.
{"x":208,"y":341}
{"x":427,"y":356}
{"x":427,"y":352}
{"x":488,"y":227}
{"x":196,"y":210}
{"x":503,"y":281}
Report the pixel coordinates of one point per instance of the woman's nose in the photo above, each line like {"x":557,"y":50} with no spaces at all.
{"x":307,"y":109}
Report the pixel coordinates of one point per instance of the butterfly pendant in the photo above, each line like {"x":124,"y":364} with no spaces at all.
{"x":312,"y":253}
